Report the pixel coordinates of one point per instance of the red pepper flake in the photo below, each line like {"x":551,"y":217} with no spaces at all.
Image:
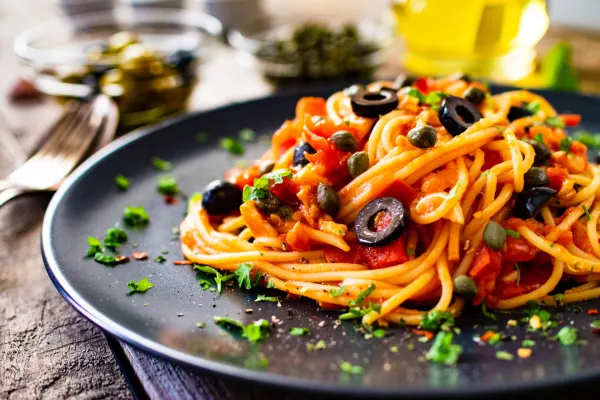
{"x":24,"y":90}
{"x":593,"y":312}
{"x":170,"y":199}
{"x":427,"y":334}
{"x":487,"y":336}
{"x":139,"y":255}
{"x":182,"y":262}
{"x":122,"y":259}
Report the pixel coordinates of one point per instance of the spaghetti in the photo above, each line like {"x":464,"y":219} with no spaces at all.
{"x":467,"y":184}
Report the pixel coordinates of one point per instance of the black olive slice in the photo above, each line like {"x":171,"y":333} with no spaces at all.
{"x":299,"y":157}
{"x":518,"y":112}
{"x":398,"y":222}
{"x":531,"y":200}
{"x":373,"y":104}
{"x":457,"y":114}
{"x":221,"y":197}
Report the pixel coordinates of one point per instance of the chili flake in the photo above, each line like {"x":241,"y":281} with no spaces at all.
{"x":139,"y":255}
{"x":182,"y":262}
{"x":593,"y":312}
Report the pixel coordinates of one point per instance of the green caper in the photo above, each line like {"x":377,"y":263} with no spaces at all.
{"x":328,"y":199}
{"x":141,"y":60}
{"x":536,"y":177}
{"x":285,"y":212}
{"x":542,"y":152}
{"x":121,"y":40}
{"x":269,"y":204}
{"x":474,"y":95}
{"x":266,"y":167}
{"x":494,"y":236}
{"x":465,"y":287}
{"x":344,"y":141}
{"x":358,"y":163}
{"x":423,"y":136}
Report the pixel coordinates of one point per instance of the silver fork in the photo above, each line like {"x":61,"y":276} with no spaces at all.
{"x":68,"y":141}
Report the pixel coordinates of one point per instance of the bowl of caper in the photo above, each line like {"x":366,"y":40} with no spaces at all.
{"x":147,"y":60}
{"x":313,"y":50}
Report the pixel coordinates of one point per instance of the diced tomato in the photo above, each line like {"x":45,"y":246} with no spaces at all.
{"x":439,"y":181}
{"x":557,"y":176}
{"x":317,"y":142}
{"x":421,"y":332}
{"x":485,"y":270}
{"x":332,"y":165}
{"x":580,"y":237}
{"x":323,"y":127}
{"x":571,"y":119}
{"x":333,"y":254}
{"x":423,"y":85}
{"x":402,"y":191}
{"x":593,"y":311}
{"x":286,"y":191}
{"x":311,"y":106}
{"x":242,"y":177}
{"x":491,"y":158}
{"x":384,"y":256}
{"x":285,"y":137}
{"x":532,"y":276}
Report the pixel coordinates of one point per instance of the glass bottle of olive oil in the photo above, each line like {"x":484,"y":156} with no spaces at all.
{"x":491,"y":39}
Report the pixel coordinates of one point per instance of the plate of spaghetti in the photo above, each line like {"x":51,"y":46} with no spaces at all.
{"x":400,"y":238}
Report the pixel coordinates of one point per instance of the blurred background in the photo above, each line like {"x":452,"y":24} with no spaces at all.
{"x":162,"y":63}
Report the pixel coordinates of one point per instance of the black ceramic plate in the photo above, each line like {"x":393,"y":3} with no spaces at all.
{"x":163,"y":320}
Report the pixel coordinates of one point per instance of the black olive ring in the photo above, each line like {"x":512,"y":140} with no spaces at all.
{"x":364,"y":221}
{"x":457,"y":114}
{"x":369,"y":104}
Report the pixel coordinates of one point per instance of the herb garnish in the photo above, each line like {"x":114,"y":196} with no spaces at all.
{"x":135,"y":216}
{"x":435,"y":320}
{"x":95,"y":246}
{"x":565,"y":144}
{"x":167,"y":185}
{"x":247,"y":135}
{"x":122,"y":182}
{"x":194,"y":198}
{"x":254,"y":331}
{"x":161,"y":165}
{"x":337,"y":292}
{"x":299,"y":331}
{"x":504,"y":355}
{"x":528,"y":343}
{"x":160,"y":259}
{"x":539,"y":138}
{"x":262,"y":297}
{"x":443,"y":351}
{"x":586,"y":212}
{"x":512,"y":233}
{"x":416,"y":93}
{"x":115,"y":237}
{"x":110,"y":260}
{"x":362,"y":295}
{"x":518,"y":274}
{"x":242,"y":274}
{"x":567,"y":336}
{"x":140,"y":286}
{"x":591,"y":140}
{"x":232,"y":146}
{"x":555,"y":122}
{"x":534,"y":107}
{"x":433,"y":99}
{"x":205,"y":283}
{"x":350,"y":369}
{"x":379,"y":333}
{"x":485,"y":312}
{"x":320,"y":345}
{"x":263,"y":184}
{"x":219,"y":278}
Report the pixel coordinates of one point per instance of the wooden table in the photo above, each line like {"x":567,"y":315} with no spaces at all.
{"x":46,"y":348}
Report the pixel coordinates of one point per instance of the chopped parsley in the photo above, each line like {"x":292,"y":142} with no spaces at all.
{"x":95,"y":246}
{"x":337,"y":292}
{"x":115,"y":237}
{"x":200,"y":325}
{"x":277,"y":176}
{"x":253,"y":332}
{"x":528,"y":343}
{"x":443,"y":351}
{"x":167,"y":185}
{"x":539,"y":138}
{"x":320,"y":345}
{"x":357,"y":311}
{"x":379,"y":333}
{"x":140,"y":286}
{"x":350,"y":369}
{"x":219,"y":278}
{"x":544,"y":316}
{"x":299,"y":331}
{"x":504,"y":355}
{"x":205,"y":284}
{"x":567,"y":336}
{"x":435,"y":320}
{"x":485,"y":173}
{"x":270,"y":284}
{"x":485,"y":312}
{"x":416,"y":93}
{"x":511,"y":233}
{"x":194,"y":198}
{"x":262,"y":297}
{"x":242,"y":274}
{"x":558,"y":298}
{"x":161,"y":165}
{"x":591,"y":140}
{"x":109,"y":260}
{"x":534,"y":107}
{"x":363,"y":295}
{"x":135,"y":216}
{"x":555,"y":122}
{"x":201,"y":137}
{"x":434,"y":99}
{"x":586,"y":212}
{"x":565,"y":144}
{"x":595,"y":324}
{"x":160,"y":259}
{"x":263,"y":184}
{"x":232,"y":146}
{"x":247,"y":135}
{"x":122,"y":182}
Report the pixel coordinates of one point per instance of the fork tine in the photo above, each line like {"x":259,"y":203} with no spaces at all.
{"x":53,"y":136}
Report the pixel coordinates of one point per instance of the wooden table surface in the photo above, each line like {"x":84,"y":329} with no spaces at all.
{"x":47,"y":350}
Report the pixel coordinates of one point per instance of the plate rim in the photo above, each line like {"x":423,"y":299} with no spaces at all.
{"x":269,"y":379}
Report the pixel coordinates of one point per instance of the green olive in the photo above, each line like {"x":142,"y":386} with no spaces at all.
{"x":345,"y":141}
{"x":423,"y":136}
{"x":141,"y":60}
{"x":328,"y":199}
{"x":494,"y":236}
{"x":465,"y":287}
{"x":474,"y":95}
{"x":358,"y":163}
{"x":542,"y":152}
{"x":121,"y":40}
{"x":269,"y":204}
{"x":266,"y":167}
{"x":536,"y":177}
